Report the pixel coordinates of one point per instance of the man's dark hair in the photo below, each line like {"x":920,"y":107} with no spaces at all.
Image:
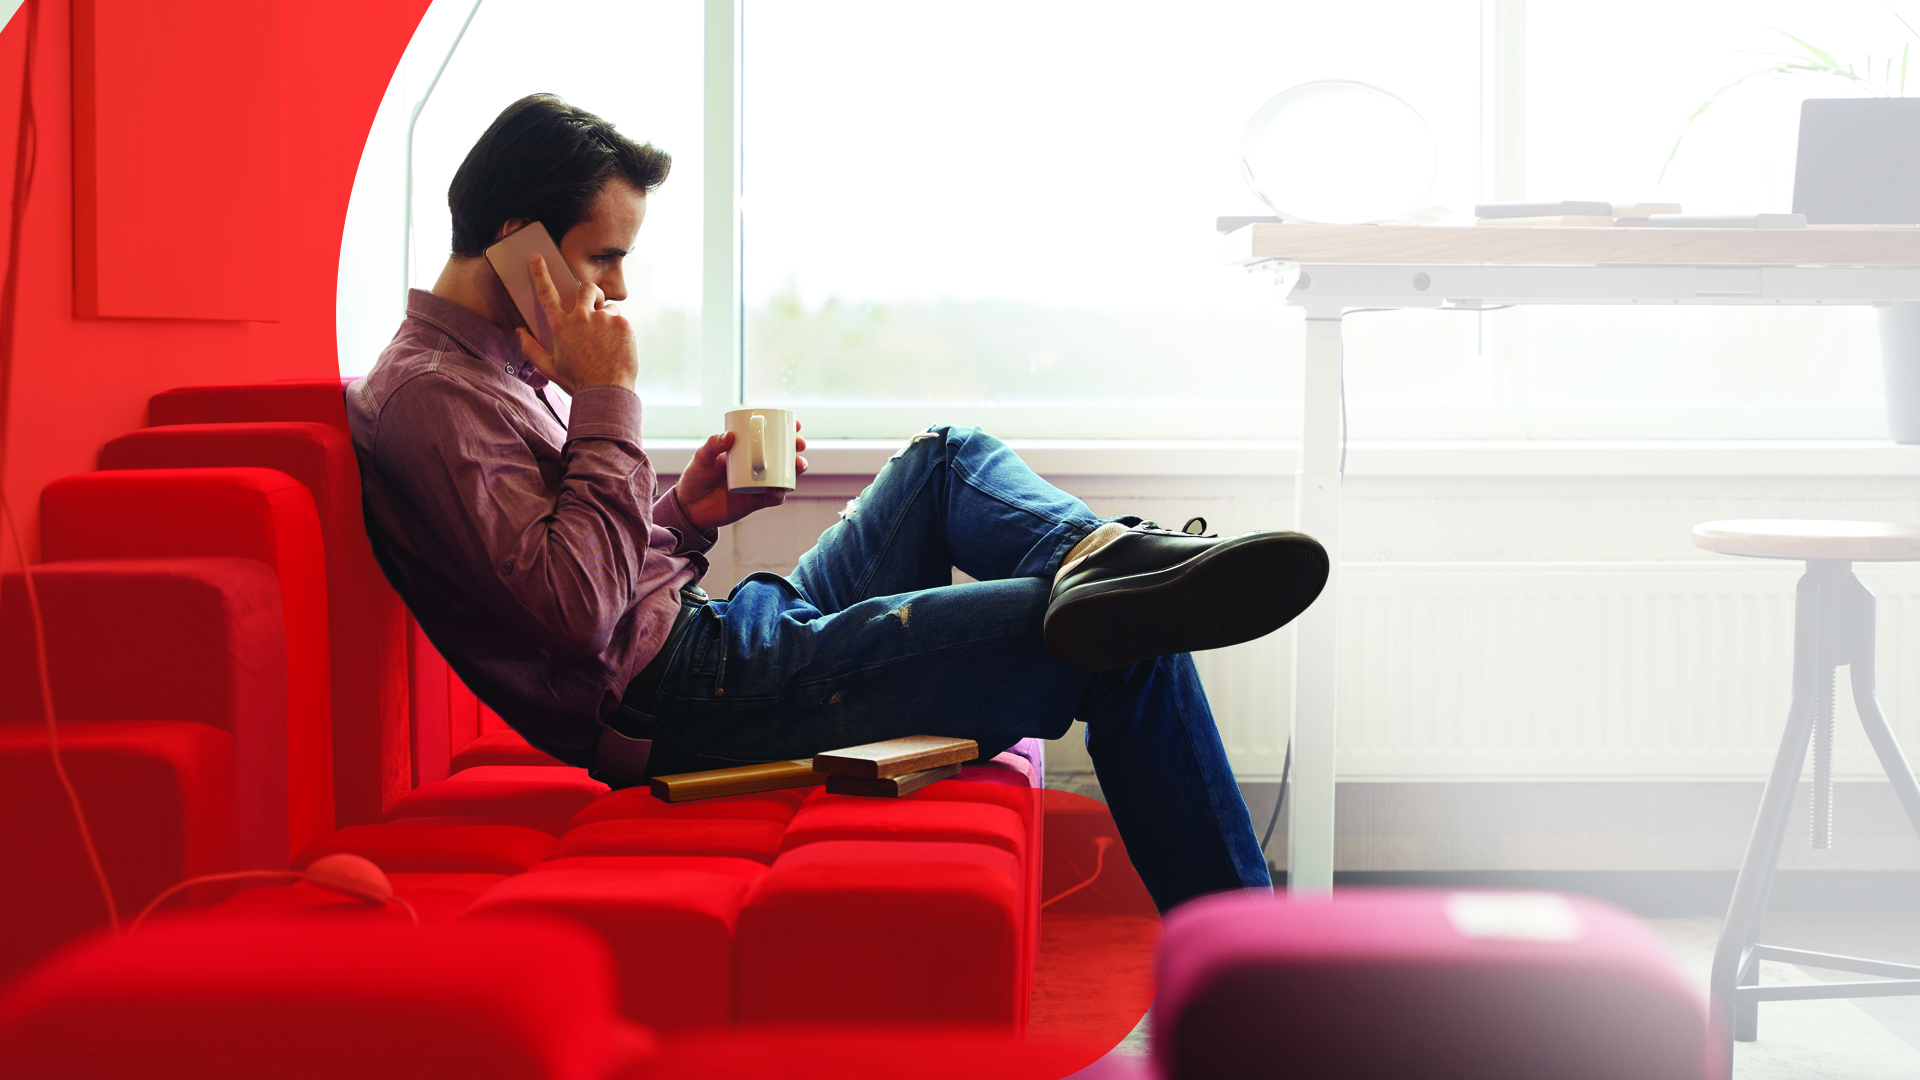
{"x":544,"y":160}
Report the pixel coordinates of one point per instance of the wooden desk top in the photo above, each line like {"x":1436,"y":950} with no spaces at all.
{"x":1547,"y":244}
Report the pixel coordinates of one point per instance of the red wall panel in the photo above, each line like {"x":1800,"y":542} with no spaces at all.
{"x":79,"y":382}
{"x":176,"y":160}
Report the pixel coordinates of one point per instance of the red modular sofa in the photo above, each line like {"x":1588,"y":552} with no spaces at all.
{"x":235,"y":680}
{"x":920,"y":909}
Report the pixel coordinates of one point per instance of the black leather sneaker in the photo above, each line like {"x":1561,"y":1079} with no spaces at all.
{"x":1155,"y":592}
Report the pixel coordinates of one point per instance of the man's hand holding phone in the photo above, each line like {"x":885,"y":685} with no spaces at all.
{"x":593,"y":345}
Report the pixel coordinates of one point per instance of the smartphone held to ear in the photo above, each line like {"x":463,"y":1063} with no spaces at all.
{"x":509,"y":260}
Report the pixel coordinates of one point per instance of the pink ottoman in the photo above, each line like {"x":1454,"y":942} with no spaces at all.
{"x":1422,"y":982}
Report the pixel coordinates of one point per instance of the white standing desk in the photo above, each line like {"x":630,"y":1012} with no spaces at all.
{"x":1328,"y":269}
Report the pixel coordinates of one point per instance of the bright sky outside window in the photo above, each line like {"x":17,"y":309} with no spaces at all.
{"x":1013,"y":203}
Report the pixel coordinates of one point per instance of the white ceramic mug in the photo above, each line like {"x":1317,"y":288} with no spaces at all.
{"x":763,"y":454}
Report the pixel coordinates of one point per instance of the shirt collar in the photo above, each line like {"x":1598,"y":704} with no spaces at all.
{"x":495,"y":347}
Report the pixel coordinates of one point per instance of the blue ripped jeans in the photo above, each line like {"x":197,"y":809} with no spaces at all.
{"x":869,"y":639}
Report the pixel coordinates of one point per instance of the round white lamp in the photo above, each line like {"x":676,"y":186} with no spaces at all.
{"x":1339,"y":153}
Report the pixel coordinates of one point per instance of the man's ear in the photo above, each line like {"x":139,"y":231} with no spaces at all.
{"x":508,"y":227}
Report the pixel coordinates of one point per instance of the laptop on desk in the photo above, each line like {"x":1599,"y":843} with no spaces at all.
{"x":1859,"y":161}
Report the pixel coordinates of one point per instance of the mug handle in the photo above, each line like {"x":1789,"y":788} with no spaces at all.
{"x":757,"y":427}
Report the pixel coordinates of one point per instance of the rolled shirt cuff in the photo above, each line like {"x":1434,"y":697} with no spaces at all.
{"x":666,"y":513}
{"x":605,"y":412}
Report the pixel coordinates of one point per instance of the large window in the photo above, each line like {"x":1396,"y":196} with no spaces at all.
{"x":1007,"y":208}
{"x":887,"y":214}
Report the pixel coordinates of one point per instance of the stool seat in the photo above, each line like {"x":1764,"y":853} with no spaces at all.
{"x":1862,"y":541}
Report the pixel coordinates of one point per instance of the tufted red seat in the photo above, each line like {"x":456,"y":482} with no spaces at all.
{"x":503,"y":747}
{"x":745,"y":869}
{"x":308,"y":999}
{"x":891,"y":930}
{"x":258,"y":514}
{"x":671,"y":929}
{"x":850,"y":817}
{"x":409,"y":848}
{"x":743,"y":838}
{"x":367,"y":639}
{"x":435,"y":898}
{"x":545,"y":796}
{"x":639,"y":802}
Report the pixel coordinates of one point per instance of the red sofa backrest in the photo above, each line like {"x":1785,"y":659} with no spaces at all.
{"x":316,"y":401}
{"x":443,"y":714}
{"x":202,"y":640}
{"x":367,"y":620}
{"x":249,"y":513}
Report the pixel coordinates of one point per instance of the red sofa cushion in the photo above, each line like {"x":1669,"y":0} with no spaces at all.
{"x":249,"y":513}
{"x":500,"y":748}
{"x":409,"y":848}
{"x":829,"y":1051}
{"x":368,"y":627}
{"x":639,"y":802}
{"x":319,"y":401}
{"x":745,"y":869}
{"x":732,"y":837}
{"x":671,"y":931}
{"x":938,"y":928}
{"x":174,"y":639}
{"x":435,"y":898}
{"x":528,"y":792}
{"x":1497,"y":985}
{"x":159,"y":798}
{"x":311,"y":999}
{"x":853,"y":817}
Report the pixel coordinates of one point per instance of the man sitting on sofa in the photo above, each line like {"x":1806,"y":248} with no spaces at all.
{"x":525,"y":533}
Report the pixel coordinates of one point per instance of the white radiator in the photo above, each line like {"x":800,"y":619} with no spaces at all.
{"x":1577,"y":671}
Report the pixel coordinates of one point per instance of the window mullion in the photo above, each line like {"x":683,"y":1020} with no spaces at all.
{"x":720,"y":308}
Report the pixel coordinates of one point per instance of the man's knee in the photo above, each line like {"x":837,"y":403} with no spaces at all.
{"x":937,"y":437}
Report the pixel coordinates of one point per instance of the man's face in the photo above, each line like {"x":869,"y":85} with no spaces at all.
{"x":597,"y":247}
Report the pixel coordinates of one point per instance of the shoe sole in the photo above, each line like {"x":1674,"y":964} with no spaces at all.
{"x":1233,"y":593}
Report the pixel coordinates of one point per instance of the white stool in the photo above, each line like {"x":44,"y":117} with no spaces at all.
{"x":1833,"y":626}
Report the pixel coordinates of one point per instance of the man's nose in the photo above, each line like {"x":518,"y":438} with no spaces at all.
{"x":614,"y":286}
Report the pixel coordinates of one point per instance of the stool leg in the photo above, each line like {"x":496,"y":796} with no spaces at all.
{"x":1755,"y":882}
{"x":1746,"y":1014}
{"x":1822,"y":798}
{"x":1866,"y":701}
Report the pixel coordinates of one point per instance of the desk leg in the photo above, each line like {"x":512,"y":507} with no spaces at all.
{"x":1316,"y":636}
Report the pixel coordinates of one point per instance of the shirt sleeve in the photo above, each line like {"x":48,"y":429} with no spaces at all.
{"x":693,"y":540}
{"x":562,"y":568}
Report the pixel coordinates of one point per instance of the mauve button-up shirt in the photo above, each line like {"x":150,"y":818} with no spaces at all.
{"x":522,"y":531}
